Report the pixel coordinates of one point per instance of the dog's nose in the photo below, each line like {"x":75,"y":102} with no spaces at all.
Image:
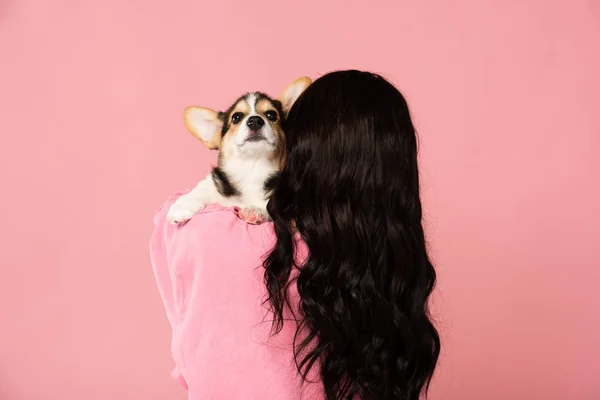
{"x":255,"y":123}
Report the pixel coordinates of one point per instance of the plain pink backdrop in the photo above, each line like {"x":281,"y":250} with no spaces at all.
{"x":505,"y":96}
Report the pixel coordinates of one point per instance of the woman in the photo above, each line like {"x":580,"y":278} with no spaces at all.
{"x":338,"y":308}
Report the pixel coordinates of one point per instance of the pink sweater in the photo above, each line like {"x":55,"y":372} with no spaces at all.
{"x":210,"y":277}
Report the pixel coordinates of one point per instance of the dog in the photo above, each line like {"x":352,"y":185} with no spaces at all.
{"x":251,"y":144}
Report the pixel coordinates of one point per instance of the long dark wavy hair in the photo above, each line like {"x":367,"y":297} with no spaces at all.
{"x":350,"y":187}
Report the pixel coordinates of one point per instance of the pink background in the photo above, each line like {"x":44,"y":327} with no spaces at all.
{"x":505,"y":95}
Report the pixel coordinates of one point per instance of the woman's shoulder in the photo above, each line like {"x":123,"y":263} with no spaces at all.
{"x":218,"y":225}
{"x":160,"y":216}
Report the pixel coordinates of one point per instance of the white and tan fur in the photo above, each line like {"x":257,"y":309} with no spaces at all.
{"x":250,"y":152}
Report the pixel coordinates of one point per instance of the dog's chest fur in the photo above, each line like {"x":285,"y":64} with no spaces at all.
{"x":244,"y":182}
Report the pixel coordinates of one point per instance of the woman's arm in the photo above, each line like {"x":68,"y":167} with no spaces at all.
{"x":163,"y":273}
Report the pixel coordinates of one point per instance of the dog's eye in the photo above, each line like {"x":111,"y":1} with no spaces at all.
{"x":271,"y":115}
{"x":237,"y":117}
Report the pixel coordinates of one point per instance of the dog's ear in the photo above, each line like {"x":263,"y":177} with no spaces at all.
{"x":205,"y":124}
{"x":292,"y":92}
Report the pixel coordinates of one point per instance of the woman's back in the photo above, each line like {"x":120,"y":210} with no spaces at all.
{"x":213,"y":292}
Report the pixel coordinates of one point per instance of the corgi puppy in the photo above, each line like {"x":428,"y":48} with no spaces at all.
{"x":251,"y":146}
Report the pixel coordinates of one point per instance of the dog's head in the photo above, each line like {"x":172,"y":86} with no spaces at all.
{"x":251,"y":128}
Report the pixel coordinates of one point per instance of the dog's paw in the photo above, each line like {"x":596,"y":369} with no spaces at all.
{"x":183,"y":209}
{"x":253,"y":215}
